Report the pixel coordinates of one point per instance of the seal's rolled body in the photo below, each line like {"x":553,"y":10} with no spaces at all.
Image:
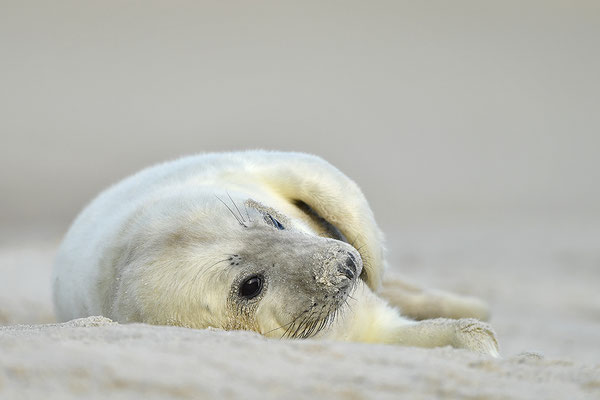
{"x":280,"y":243}
{"x":175,"y":243}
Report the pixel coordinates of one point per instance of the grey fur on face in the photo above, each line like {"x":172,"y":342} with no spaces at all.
{"x":306,"y":279}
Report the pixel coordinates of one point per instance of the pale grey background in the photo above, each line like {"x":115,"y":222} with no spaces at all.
{"x":439,"y":109}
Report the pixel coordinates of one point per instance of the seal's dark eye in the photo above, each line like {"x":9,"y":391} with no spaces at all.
{"x":272,"y":221}
{"x":251,"y":287}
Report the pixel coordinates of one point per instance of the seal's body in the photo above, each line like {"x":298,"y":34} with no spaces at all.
{"x":280,"y":243}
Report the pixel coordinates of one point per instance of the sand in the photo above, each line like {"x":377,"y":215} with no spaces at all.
{"x":541,"y":280}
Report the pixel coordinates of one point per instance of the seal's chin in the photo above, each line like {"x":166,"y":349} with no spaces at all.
{"x":314,"y":320}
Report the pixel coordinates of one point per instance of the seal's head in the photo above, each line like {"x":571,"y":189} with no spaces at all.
{"x":243,"y":265}
{"x":287,"y":281}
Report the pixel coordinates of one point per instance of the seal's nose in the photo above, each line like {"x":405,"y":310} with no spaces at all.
{"x":351,"y":262}
{"x":349,"y":267}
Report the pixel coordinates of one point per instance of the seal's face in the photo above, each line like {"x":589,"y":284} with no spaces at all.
{"x":234,"y":263}
{"x":286,"y":281}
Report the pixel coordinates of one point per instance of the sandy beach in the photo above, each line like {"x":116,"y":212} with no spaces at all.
{"x":540,"y":280}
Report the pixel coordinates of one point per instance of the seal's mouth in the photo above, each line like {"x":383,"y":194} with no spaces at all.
{"x":310,"y":323}
{"x":320,"y":315}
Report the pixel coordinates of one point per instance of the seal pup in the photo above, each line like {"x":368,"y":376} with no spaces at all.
{"x":276,"y":242}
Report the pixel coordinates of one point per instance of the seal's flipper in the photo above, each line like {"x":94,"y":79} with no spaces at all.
{"x":331,"y":195}
{"x":419,"y":303}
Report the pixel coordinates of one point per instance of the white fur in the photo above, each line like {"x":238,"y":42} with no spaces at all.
{"x":145,"y":249}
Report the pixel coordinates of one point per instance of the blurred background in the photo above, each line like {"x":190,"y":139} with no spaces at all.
{"x":436,"y":107}
{"x":473,"y":127}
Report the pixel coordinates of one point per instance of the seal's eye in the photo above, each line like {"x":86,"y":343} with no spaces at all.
{"x":273,"y":221}
{"x":251,"y":287}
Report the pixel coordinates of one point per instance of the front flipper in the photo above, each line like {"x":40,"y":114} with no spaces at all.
{"x":370,"y":319}
{"x":468,"y":333}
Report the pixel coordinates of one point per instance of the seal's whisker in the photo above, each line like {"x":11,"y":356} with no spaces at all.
{"x":236,"y":207}
{"x":226,"y":259}
{"x":291,"y":325}
{"x":301,"y":326}
{"x":288,"y":330}
{"x":309,"y":328}
{"x":303,"y":333}
{"x":324,"y":322}
{"x":293,"y":334}
{"x":231,"y":211}
{"x":318,"y":326}
{"x":355,"y":241}
{"x":204,"y":268}
{"x":348,"y":304}
{"x":247,"y":213}
{"x":284,"y":325}
{"x":361,"y":247}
